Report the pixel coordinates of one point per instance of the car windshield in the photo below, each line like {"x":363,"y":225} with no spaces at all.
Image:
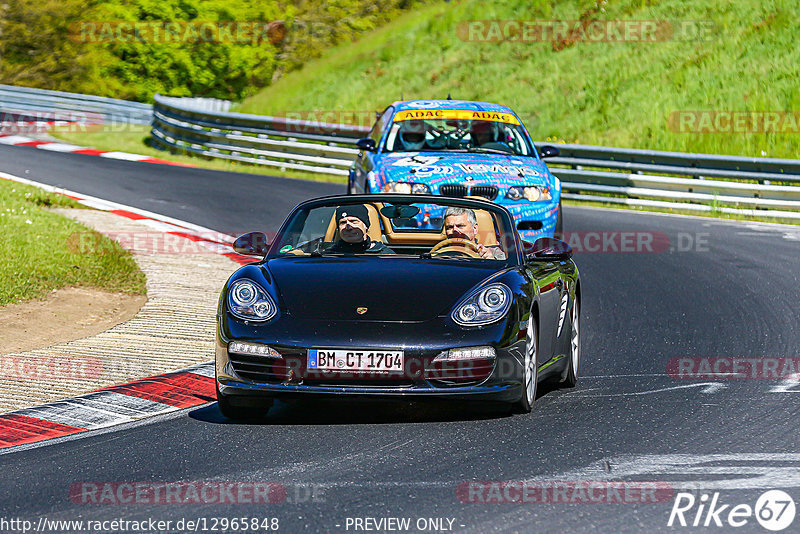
{"x":452,"y":230}
{"x":499,"y":133}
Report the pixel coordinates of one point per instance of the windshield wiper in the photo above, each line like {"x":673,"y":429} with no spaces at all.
{"x":492,"y":151}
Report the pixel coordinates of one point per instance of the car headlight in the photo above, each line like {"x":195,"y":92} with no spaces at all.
{"x":532,"y":193}
{"x":406,"y":188}
{"x":248,"y":301}
{"x":487,"y":305}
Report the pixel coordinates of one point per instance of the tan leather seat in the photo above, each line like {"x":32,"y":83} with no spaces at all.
{"x":486,"y":234}
{"x":374,"y":230}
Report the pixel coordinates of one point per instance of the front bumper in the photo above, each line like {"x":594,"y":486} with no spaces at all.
{"x":287,"y":376}
{"x":532,"y":220}
{"x":528,"y":213}
{"x":500,"y":393}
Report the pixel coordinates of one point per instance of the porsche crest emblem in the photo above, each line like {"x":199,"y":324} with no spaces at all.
{"x":361,"y":311}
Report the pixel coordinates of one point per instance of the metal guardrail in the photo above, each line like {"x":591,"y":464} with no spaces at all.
{"x":27,"y":104}
{"x":273,"y":141}
{"x":765,"y":187}
{"x":700,"y":182}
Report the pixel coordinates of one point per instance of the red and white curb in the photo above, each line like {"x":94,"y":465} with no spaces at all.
{"x":21,"y":140}
{"x":136,"y":400}
{"x":212,"y":240}
{"x":115,"y":405}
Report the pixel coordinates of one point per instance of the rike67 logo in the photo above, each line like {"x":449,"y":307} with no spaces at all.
{"x":774,"y":510}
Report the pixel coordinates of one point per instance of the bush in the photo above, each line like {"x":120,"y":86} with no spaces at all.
{"x":71,"y":46}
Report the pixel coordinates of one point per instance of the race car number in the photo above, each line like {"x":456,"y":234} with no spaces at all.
{"x":355,"y":360}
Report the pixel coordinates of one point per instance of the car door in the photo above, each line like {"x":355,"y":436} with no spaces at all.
{"x":546,"y":276}
{"x":566,"y":272}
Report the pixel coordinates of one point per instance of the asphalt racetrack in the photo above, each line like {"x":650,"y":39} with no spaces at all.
{"x":691,"y":292}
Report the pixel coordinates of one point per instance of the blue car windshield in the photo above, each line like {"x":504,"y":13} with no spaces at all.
{"x":448,"y":230}
{"x":458,"y":135}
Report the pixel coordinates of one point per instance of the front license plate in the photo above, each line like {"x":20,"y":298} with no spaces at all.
{"x":351,"y":360}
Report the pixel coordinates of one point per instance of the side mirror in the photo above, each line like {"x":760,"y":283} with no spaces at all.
{"x":252,"y":244}
{"x":367,"y":144}
{"x":548,"y":151}
{"x":547,"y":248}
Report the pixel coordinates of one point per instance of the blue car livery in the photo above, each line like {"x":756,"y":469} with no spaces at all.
{"x":460,"y":148}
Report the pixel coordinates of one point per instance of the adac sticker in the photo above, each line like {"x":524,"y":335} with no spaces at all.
{"x":461,"y":114}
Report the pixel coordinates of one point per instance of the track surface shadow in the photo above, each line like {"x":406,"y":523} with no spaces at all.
{"x":368,"y":412}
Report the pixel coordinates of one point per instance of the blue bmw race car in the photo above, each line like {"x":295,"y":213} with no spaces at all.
{"x":458,"y":148}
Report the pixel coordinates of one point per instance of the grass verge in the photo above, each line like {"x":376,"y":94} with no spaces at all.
{"x":621,"y":92}
{"x":43,"y":251}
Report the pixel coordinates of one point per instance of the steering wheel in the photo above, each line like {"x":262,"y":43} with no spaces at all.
{"x":452,"y":245}
{"x":447,"y":139}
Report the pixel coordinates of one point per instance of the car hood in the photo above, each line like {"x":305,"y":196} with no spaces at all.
{"x":437,"y":168}
{"x":391,"y":289}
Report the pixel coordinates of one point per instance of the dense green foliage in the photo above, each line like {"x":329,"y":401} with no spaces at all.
{"x":86,"y":46}
{"x":606,"y":93}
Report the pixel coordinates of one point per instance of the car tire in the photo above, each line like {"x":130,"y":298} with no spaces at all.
{"x":242,"y":412}
{"x":573,"y":366}
{"x":559,"y":231}
{"x":530,"y":370}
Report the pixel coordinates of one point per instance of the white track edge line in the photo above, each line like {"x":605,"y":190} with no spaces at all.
{"x":108,"y":205}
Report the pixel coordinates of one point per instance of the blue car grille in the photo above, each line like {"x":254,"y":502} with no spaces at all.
{"x":460,"y":191}
{"x":486,"y":191}
{"x":453,"y":190}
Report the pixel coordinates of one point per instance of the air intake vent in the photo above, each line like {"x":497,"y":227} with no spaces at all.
{"x":259,"y":368}
{"x":529,"y":225}
{"x":485,"y":191}
{"x":453,"y":190}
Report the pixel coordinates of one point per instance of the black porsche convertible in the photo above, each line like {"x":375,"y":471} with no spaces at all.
{"x":397,"y":296}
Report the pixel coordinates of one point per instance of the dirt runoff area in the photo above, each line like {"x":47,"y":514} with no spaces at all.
{"x":64,"y":315}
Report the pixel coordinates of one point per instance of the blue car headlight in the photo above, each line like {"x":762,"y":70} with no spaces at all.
{"x":486,"y":305}
{"x":249,"y":301}
{"x":406,"y":188}
{"x":532,"y":194}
